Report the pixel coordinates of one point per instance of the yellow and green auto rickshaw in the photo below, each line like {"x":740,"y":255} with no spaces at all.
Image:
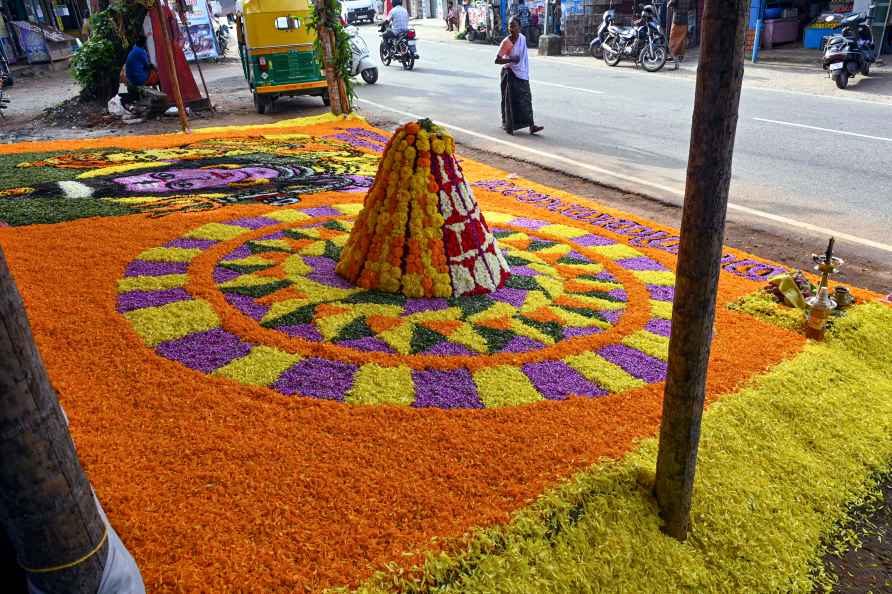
{"x":277,"y":50}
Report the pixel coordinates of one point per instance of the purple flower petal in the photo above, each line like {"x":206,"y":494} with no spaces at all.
{"x":317,"y":378}
{"x":445,"y":389}
{"x":659,"y":326}
{"x":247,"y":305}
{"x":521,"y":344}
{"x":641,"y":263}
{"x":447,"y":348}
{"x":322,"y":211}
{"x":205,"y":351}
{"x":558,"y":381}
{"x":515,"y":297}
{"x":238,"y":253}
{"x":369,"y":344}
{"x":222,"y":275}
{"x":528,"y":223}
{"x":146,"y":268}
{"x":306,"y":331}
{"x":190,"y":244}
{"x":254,"y":222}
{"x":635,"y":363}
{"x":139,"y":299}
{"x":661,"y":293}
{"x":419,"y":305}
{"x":592,"y":240}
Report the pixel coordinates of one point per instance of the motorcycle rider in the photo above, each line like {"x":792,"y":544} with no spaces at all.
{"x":398,"y":19}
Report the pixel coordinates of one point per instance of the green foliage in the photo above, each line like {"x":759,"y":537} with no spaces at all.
{"x":327,"y":15}
{"x":781,"y":463}
{"x":97,"y":64}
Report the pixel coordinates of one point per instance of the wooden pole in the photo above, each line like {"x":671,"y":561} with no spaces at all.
{"x":181,"y":10}
{"x":46,"y":503}
{"x":171,"y":66}
{"x":719,"y":77}
{"x":334,"y":94}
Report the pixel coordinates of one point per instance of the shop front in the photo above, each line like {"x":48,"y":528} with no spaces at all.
{"x":808,"y":23}
{"x":40,"y":31}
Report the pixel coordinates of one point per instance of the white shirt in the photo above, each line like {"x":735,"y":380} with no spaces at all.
{"x":522,"y":69}
{"x":399,"y":19}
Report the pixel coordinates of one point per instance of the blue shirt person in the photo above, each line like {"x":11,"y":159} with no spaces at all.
{"x":138,"y":67}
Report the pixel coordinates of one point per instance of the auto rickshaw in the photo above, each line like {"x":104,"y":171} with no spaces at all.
{"x":277,"y":50}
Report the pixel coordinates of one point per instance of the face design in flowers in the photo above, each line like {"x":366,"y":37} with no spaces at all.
{"x":159,"y":182}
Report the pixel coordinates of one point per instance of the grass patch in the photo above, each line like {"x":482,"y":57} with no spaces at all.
{"x":779,"y":463}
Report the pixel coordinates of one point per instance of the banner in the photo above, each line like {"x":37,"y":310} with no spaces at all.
{"x":201,"y":30}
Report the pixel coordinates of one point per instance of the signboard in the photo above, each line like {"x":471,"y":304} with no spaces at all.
{"x":201,"y":29}
{"x":32,"y":42}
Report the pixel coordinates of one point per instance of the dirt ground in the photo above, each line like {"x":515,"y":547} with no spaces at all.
{"x":32,"y":116}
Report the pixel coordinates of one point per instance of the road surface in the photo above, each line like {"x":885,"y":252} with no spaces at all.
{"x":817,"y":163}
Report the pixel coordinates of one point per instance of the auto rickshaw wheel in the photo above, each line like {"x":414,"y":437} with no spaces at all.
{"x":326,"y":98}
{"x":261,"y":103}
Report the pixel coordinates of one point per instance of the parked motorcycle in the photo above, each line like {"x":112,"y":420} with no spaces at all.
{"x":644,"y":42}
{"x":5,"y":82}
{"x":596,"y":46}
{"x":222,"y":35}
{"x":362,"y":62}
{"x":402,"y":48}
{"x":853,"y":50}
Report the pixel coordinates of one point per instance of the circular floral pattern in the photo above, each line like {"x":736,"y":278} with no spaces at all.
{"x":287,"y":281}
{"x":258,"y":301}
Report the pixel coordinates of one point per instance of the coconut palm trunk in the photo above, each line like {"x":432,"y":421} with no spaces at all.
{"x":47,"y":506}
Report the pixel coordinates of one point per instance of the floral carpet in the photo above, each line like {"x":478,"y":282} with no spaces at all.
{"x":252,"y":421}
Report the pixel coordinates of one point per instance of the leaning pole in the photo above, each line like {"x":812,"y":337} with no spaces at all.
{"x":719,"y":78}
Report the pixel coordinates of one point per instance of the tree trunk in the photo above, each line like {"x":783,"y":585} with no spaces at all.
{"x":331,"y":77}
{"x":46,"y":504}
{"x":342,"y":86}
{"x":719,"y":77}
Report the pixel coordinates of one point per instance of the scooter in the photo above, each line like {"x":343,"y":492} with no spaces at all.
{"x":362,"y":62}
{"x":402,"y":48}
{"x":853,"y":51}
{"x":644,"y":42}
{"x":222,"y":35}
{"x":596,"y":46}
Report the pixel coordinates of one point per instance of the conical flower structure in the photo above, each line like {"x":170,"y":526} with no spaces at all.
{"x":421,"y":232}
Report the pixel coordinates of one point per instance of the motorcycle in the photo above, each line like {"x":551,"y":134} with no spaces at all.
{"x":361,"y":63}
{"x":401,"y":48}
{"x":596,"y":46}
{"x":222,"y":34}
{"x":644,"y":42}
{"x":853,"y":50}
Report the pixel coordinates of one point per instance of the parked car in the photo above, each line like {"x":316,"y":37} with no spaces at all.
{"x":355,"y":11}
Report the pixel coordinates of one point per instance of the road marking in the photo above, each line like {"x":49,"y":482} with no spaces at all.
{"x":536,"y":152}
{"x":748,"y":86}
{"x":580,"y":89}
{"x":842,"y":132}
{"x":636,"y":180}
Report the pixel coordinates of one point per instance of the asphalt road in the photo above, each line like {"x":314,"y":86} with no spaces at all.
{"x":819,"y":163}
